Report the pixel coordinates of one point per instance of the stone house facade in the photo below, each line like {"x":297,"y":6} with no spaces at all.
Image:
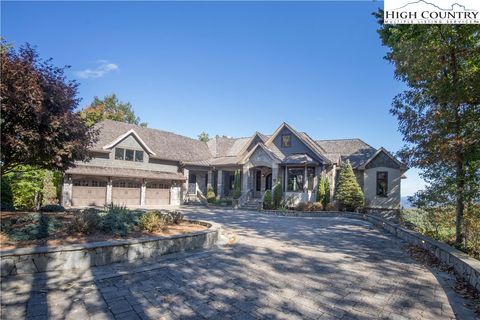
{"x":143,"y":167}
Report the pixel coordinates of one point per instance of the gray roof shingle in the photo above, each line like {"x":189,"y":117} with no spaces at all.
{"x":354,"y":150}
{"x":166,"y":145}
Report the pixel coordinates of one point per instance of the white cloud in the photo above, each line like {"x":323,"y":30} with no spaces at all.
{"x":103,"y":67}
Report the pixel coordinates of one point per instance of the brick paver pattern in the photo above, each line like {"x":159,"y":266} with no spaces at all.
{"x":278,"y":268}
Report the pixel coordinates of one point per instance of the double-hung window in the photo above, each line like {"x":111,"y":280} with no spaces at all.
{"x":382,"y":184}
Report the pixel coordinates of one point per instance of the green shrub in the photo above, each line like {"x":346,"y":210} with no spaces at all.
{"x":175,"y":217}
{"x":52,"y":208}
{"x":277,"y":195}
{"x":151,"y":221}
{"x":326,"y":197}
{"x":302,"y":206}
{"x":317,"y":206}
{"x":237,"y":192}
{"x":86,"y":221}
{"x":119,"y":220}
{"x":31,"y":227}
{"x":267,"y":200}
{"x":211,"y":197}
{"x":321,"y":190}
{"x":349,"y":195}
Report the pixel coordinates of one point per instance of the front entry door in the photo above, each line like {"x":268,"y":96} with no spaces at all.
{"x":257,"y":191}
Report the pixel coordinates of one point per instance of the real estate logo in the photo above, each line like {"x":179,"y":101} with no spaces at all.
{"x":431,"y":12}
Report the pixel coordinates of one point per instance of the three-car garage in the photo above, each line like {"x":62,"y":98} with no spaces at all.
{"x":120,"y":188}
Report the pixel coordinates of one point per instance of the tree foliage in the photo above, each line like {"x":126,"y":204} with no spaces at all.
{"x":237,"y":191}
{"x":39,"y":125}
{"x":277,"y":194}
{"x":439,"y":113}
{"x":323,"y":191}
{"x":211,"y":197}
{"x":109,"y":108}
{"x":267,"y":200}
{"x":348,"y":193}
{"x":203,"y":136}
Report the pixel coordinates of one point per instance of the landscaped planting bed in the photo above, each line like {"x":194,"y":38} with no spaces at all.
{"x":27,"y":229}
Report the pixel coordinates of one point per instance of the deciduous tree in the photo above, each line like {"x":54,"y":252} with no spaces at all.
{"x":439,"y":113}
{"x":110,"y":108}
{"x":39,"y":125}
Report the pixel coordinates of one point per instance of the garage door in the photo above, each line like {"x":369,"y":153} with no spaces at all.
{"x":126,"y":193}
{"x":157,"y":193}
{"x":89,"y":192}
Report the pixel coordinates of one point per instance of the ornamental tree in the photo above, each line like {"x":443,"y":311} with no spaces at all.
{"x":348,"y":193}
{"x":38,"y":119}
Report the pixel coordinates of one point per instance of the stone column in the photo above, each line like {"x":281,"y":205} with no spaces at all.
{"x":219,"y":184}
{"x":245,"y":180}
{"x":316,"y":179}
{"x":209,"y":180}
{"x":143,"y":191}
{"x":274,"y":173}
{"x":332,"y":181}
{"x":185,"y":184}
{"x":67,"y":191}
{"x":109,"y":190}
{"x":305,"y":180}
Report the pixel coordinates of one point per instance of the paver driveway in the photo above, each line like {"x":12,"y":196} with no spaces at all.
{"x":279,"y":268}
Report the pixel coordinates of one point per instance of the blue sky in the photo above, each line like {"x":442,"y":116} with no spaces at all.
{"x":225,"y":67}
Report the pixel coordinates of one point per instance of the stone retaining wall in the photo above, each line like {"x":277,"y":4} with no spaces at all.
{"x":83,"y":256}
{"x":465,"y":266}
{"x":325,"y":214}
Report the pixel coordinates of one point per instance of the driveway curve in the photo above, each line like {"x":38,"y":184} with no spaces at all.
{"x":276,"y":268}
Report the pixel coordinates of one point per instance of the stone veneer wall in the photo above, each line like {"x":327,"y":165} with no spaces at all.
{"x":466,"y":267}
{"x":83,"y":256}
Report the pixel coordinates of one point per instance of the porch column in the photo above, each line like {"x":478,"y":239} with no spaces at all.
{"x":245,"y":174}
{"x":285,"y":179}
{"x":109,"y":190}
{"x":209,"y":180}
{"x":332,"y":181}
{"x":274,"y":173}
{"x":67,"y":191}
{"x":186,"y":173}
{"x":305,"y":179}
{"x":316,"y":178}
{"x":219,"y":184}
{"x":143,"y":191}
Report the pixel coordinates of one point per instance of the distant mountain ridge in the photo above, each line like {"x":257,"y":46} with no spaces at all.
{"x":404,"y":203}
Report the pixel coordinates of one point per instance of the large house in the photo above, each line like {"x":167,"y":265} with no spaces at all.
{"x":143,"y":167}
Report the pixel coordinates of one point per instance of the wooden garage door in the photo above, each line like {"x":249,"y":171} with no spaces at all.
{"x":157,"y":193}
{"x":89,"y":192}
{"x":126,"y":193}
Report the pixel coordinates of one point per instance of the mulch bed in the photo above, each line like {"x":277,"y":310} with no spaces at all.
{"x":65,"y":237}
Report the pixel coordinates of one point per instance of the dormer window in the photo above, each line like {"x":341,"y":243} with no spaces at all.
{"x":286,"y":140}
{"x":128,"y":155}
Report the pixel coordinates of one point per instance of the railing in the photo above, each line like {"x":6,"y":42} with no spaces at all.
{"x":192,"y":188}
{"x":245,"y":197}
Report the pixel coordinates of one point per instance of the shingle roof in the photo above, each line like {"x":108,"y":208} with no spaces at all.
{"x":226,"y":147}
{"x":124,"y":172}
{"x":354,"y":150}
{"x":166,"y":145}
{"x":299,"y":159}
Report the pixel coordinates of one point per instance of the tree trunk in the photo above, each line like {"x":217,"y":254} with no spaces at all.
{"x":460,"y":205}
